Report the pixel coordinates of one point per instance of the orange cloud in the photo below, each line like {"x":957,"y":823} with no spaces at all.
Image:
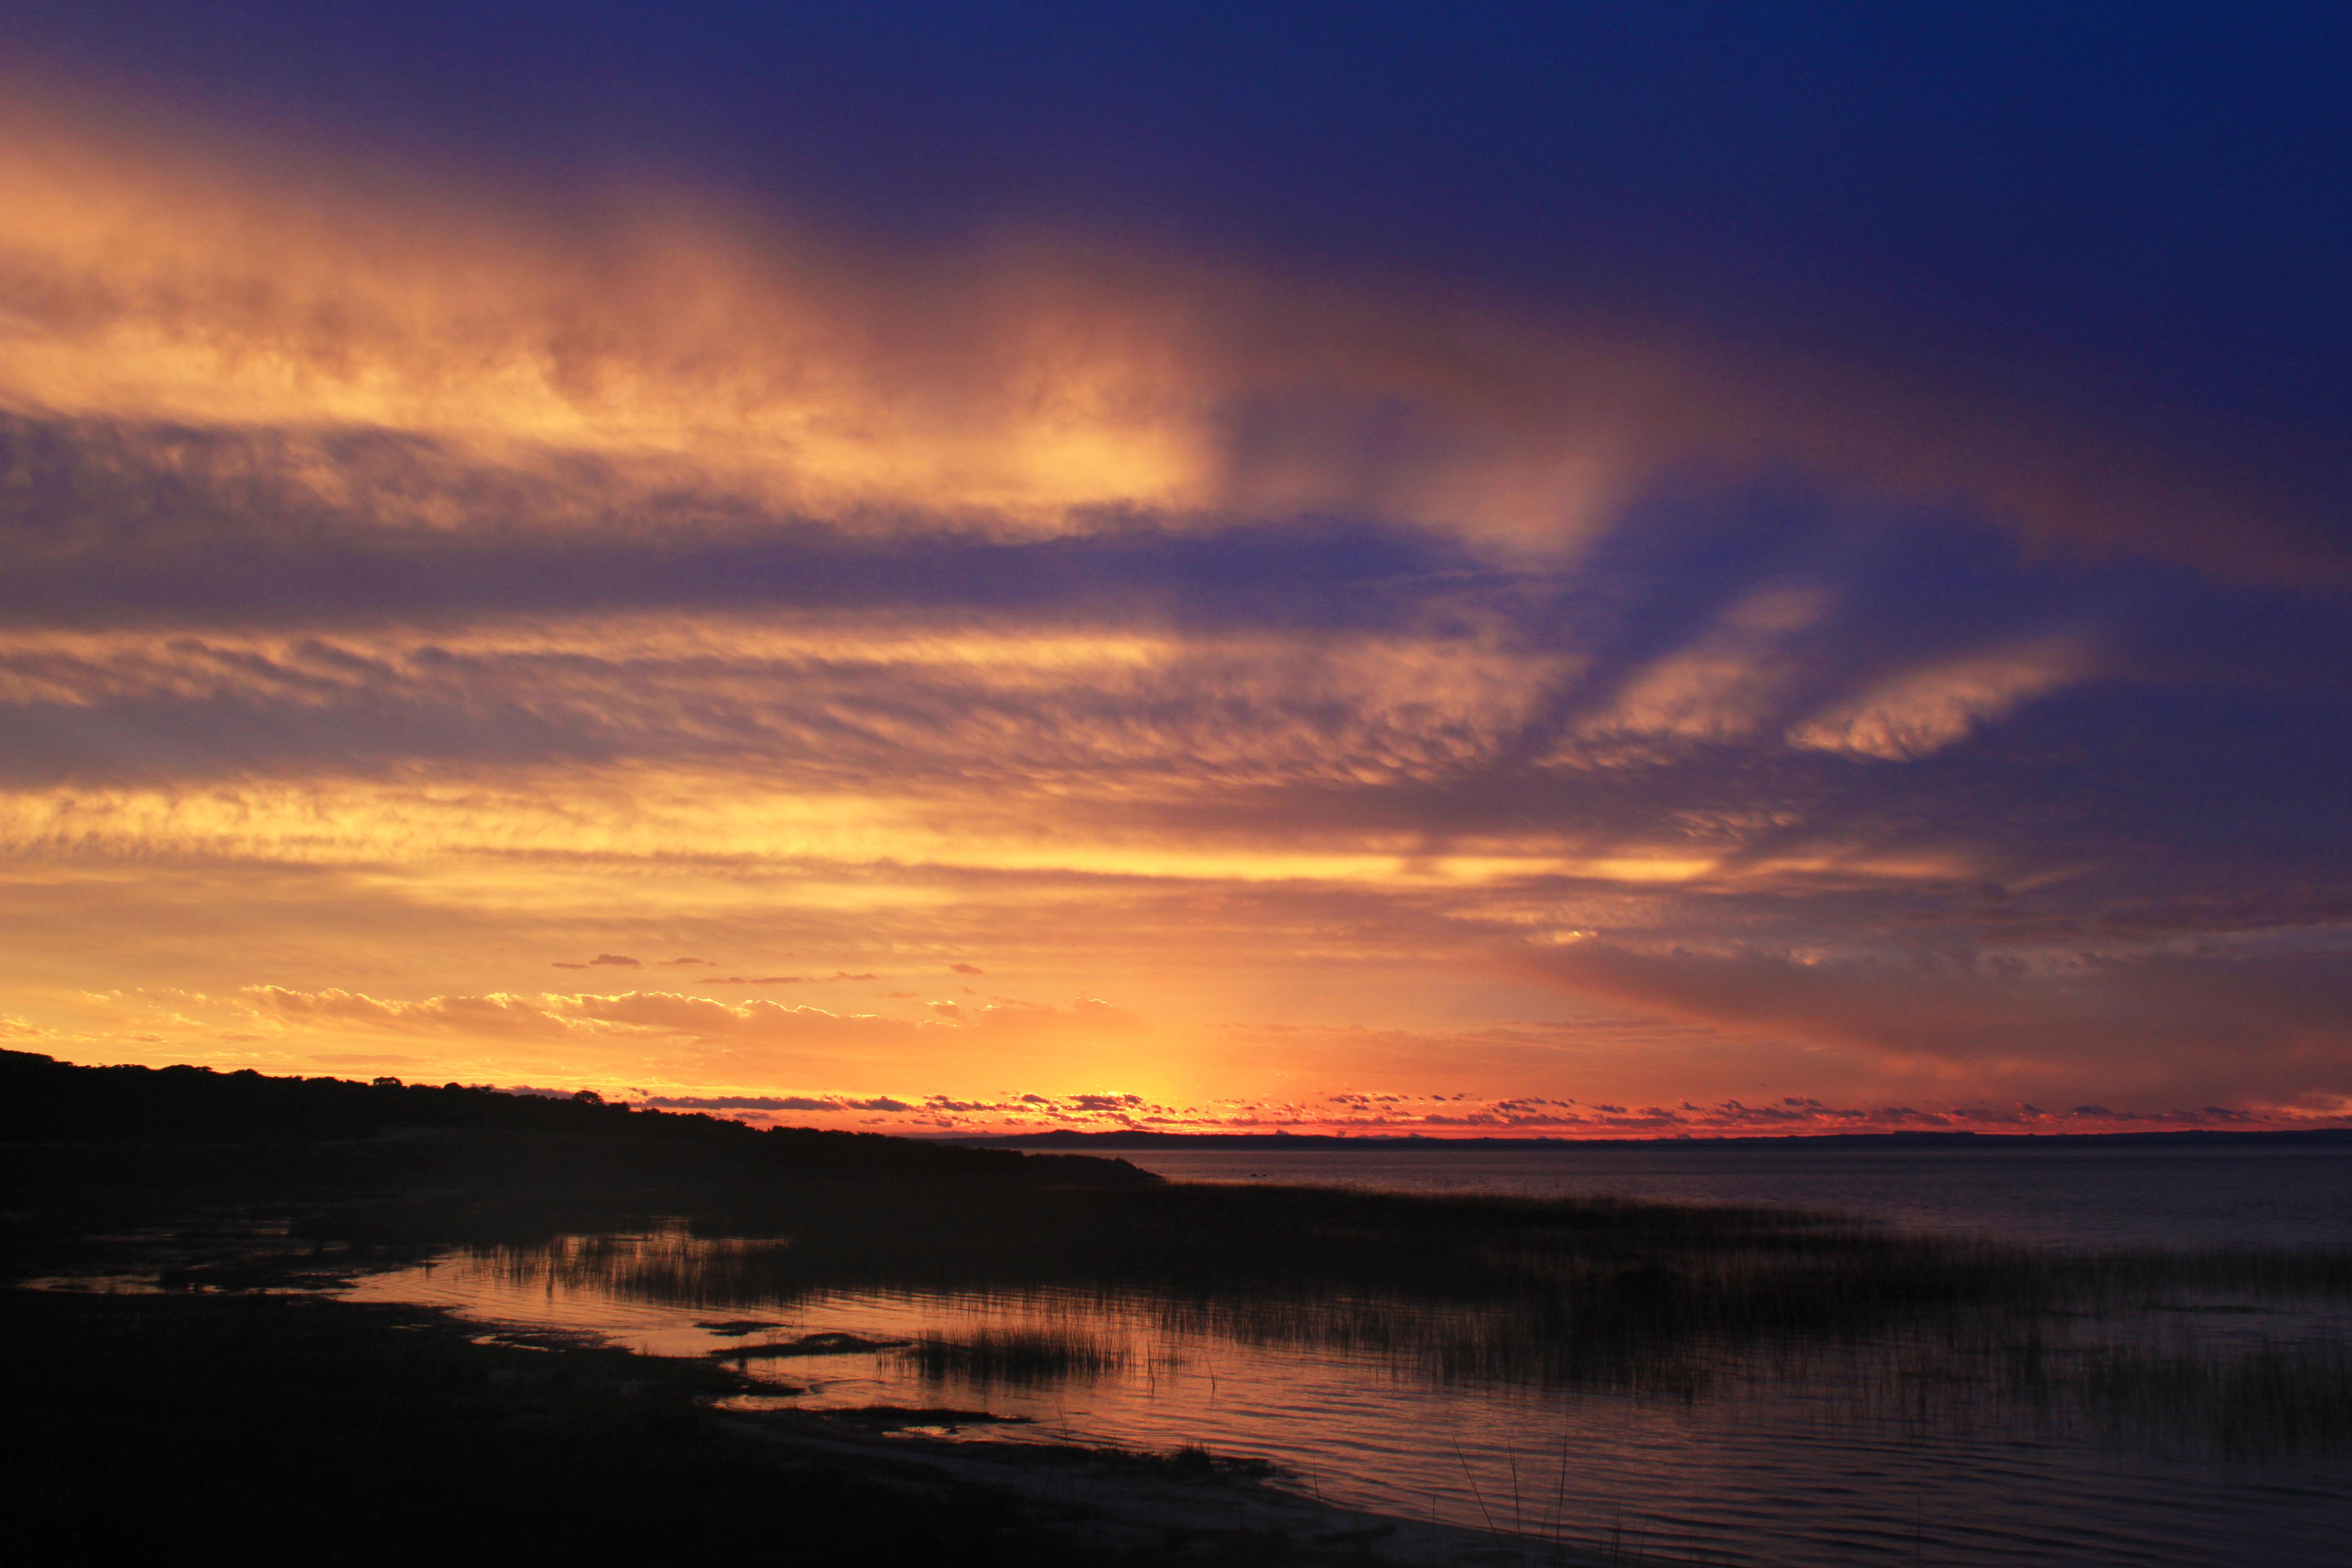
{"x":408,"y":587}
{"x":1920,"y":712}
{"x":647,"y":344}
{"x":496,"y":1015}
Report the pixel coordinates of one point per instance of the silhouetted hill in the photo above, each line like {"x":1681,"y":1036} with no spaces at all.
{"x":51,"y":1103}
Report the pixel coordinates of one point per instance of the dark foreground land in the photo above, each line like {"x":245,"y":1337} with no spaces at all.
{"x":178,"y":1380}
{"x":286,"y":1426}
{"x":221,"y":1396}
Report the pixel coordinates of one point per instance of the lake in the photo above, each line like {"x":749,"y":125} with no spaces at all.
{"x":2063,"y":1194}
{"x":1896,"y":1452}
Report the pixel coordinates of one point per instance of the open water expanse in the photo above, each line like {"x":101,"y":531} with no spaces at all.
{"x":1893,"y":1452}
{"x":2082,"y":1196}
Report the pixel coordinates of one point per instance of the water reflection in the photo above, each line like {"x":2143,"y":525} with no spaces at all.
{"x":1963,"y":1442}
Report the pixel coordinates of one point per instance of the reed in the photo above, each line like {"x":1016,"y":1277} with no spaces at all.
{"x":1647,"y":1300}
{"x":1024,"y":1357}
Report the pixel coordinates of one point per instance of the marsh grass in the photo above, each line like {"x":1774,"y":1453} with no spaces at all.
{"x":819,"y":1344}
{"x":1025,"y":1357}
{"x":1652,"y":1300}
{"x":2285,"y":1397}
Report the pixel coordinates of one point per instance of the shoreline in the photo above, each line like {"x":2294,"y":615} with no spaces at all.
{"x":1104,"y":1504}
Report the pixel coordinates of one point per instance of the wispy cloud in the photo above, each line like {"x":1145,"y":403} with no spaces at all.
{"x":1292,"y":680}
{"x":1032,"y":386}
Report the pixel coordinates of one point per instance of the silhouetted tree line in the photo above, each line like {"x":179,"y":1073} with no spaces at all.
{"x":43,"y":1100}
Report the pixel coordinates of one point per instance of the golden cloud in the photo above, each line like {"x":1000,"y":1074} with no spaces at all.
{"x":1028,"y":385}
{"x":1920,"y":712}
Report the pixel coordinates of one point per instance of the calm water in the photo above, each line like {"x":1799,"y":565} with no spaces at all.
{"x":2063,"y":1197}
{"x":1758,"y":1469}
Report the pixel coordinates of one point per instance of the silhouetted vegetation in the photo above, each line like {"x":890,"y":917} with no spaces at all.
{"x":1611,"y":1267}
{"x":385,"y":1166}
{"x":1595,"y":1295}
{"x":45,"y":1102}
{"x":1017,"y":1356}
{"x":807,"y":1345}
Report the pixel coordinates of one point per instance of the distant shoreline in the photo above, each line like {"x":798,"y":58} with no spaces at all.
{"x":1418,"y":1142}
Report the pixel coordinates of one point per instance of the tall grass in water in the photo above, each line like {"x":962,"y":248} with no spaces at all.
{"x":1603,"y":1295}
{"x":1023,"y":1357}
{"x":2290,"y":1397}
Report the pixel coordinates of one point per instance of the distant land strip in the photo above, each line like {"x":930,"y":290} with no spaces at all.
{"x":2197,"y":1137}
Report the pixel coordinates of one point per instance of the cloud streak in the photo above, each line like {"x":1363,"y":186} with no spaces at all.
{"x":1301,"y":678}
{"x":1031,"y":387}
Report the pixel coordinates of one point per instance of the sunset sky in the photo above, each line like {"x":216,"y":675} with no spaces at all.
{"x":1588,"y":570}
